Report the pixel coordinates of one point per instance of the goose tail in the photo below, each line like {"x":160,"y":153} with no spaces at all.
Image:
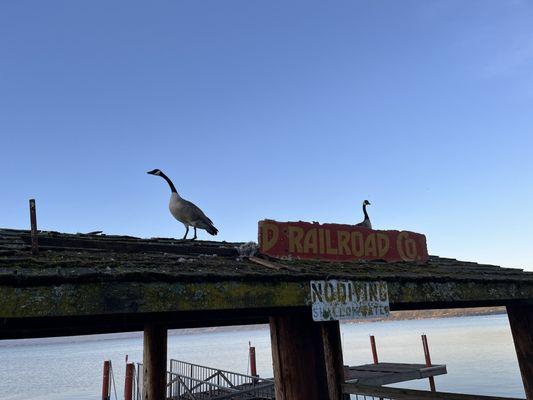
{"x":212,"y":230}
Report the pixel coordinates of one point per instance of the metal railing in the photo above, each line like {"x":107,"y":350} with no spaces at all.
{"x":187,"y":381}
{"x":215,"y":375}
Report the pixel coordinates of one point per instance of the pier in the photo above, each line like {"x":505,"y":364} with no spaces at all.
{"x":75,"y":284}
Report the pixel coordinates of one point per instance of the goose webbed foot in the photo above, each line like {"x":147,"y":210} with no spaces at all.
{"x":194,"y":238}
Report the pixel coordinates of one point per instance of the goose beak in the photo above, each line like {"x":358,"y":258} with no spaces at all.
{"x":151,"y":172}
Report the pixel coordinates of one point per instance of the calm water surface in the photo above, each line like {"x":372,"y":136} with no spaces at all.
{"x":478,"y":351}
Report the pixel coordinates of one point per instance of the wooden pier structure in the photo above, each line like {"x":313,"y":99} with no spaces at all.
{"x":88,"y":284}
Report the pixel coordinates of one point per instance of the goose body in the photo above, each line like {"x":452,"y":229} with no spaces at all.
{"x":366,"y":222}
{"x":185,"y":211}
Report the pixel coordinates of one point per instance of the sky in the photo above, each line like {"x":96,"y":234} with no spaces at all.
{"x":289,"y":110}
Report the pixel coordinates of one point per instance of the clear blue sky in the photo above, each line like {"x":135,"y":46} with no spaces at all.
{"x":273,"y":109}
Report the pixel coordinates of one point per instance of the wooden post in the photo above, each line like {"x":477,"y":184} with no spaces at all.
{"x":521,"y":321}
{"x":374,"y":349}
{"x":154,"y":362}
{"x":331,"y":338}
{"x":105,"y":381}
{"x":33,"y":225}
{"x":427,"y":356}
{"x":298,"y":358}
{"x":253,"y":364}
{"x":128,"y":382}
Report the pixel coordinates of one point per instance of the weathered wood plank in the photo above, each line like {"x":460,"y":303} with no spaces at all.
{"x":521,"y":321}
{"x":298,"y":358}
{"x":387,"y":373}
{"x":154,"y":362}
{"x":389,"y":367}
{"x":153,"y":295}
{"x":331,"y":338}
{"x":410,"y":394}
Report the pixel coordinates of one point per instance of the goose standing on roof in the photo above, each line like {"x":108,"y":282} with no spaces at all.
{"x":185,"y":211}
{"x":366,"y":222}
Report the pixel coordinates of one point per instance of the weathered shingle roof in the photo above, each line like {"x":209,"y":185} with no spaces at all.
{"x":71,"y":258}
{"x":81,"y":284}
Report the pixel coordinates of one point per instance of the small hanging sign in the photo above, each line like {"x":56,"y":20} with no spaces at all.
{"x":334,"y":300}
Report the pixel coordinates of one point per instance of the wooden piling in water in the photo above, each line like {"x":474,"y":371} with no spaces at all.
{"x":427,"y":357}
{"x":374,"y":349}
{"x":154,"y":362}
{"x":106,"y":381}
{"x":521,"y":321}
{"x":128,"y":381}
{"x":253,"y":364}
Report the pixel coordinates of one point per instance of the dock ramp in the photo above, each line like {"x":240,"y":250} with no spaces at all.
{"x":188,"y":381}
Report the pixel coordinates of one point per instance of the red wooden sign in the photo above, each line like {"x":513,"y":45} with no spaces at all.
{"x":339,"y":242}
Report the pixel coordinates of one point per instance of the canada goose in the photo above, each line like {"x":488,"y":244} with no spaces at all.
{"x":185,"y":211}
{"x":366,"y":222}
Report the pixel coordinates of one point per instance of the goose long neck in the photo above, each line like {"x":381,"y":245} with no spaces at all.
{"x":166,"y":178}
{"x":364,"y":211}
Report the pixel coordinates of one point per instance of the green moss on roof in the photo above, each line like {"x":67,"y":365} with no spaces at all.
{"x":70,"y":258}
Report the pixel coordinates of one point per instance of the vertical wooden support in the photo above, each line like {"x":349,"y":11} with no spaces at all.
{"x":331,"y":338}
{"x":374,"y":349}
{"x":33,"y":224}
{"x":105,"y":381}
{"x":427,"y":356}
{"x":521,"y":321}
{"x":128,"y":382}
{"x":307,"y":358}
{"x":298,"y":358}
{"x":154,"y":362}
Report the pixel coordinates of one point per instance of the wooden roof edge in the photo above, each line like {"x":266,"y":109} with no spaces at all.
{"x":17,"y":241}
{"x":7,"y":233}
{"x":53,"y":240}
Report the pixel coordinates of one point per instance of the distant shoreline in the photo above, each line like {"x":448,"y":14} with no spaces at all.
{"x":394,"y":316}
{"x":444,"y":313}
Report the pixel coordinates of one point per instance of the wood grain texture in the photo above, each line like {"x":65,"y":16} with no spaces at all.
{"x":154,"y":362}
{"x":410,"y":394}
{"x":298,"y":358}
{"x":331,"y":337}
{"x":521,"y":321}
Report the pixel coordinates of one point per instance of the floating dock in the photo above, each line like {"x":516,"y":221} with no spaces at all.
{"x":86,"y":284}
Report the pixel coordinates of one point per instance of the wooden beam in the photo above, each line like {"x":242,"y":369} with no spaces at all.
{"x":46,"y":297}
{"x":410,"y":394}
{"x":331,"y":338}
{"x":154,"y":362}
{"x":521,"y":321}
{"x":298,"y":358}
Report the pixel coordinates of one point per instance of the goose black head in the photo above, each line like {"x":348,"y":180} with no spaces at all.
{"x":366,"y":203}
{"x":155,"y":172}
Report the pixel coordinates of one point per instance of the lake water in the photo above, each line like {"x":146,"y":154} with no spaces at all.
{"x":478,"y":351}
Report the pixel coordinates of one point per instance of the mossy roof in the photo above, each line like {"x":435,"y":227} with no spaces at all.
{"x":81,"y":258}
{"x":79,"y":284}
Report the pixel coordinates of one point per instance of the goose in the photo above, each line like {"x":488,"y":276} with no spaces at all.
{"x":366,"y":222}
{"x":184,"y":211}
